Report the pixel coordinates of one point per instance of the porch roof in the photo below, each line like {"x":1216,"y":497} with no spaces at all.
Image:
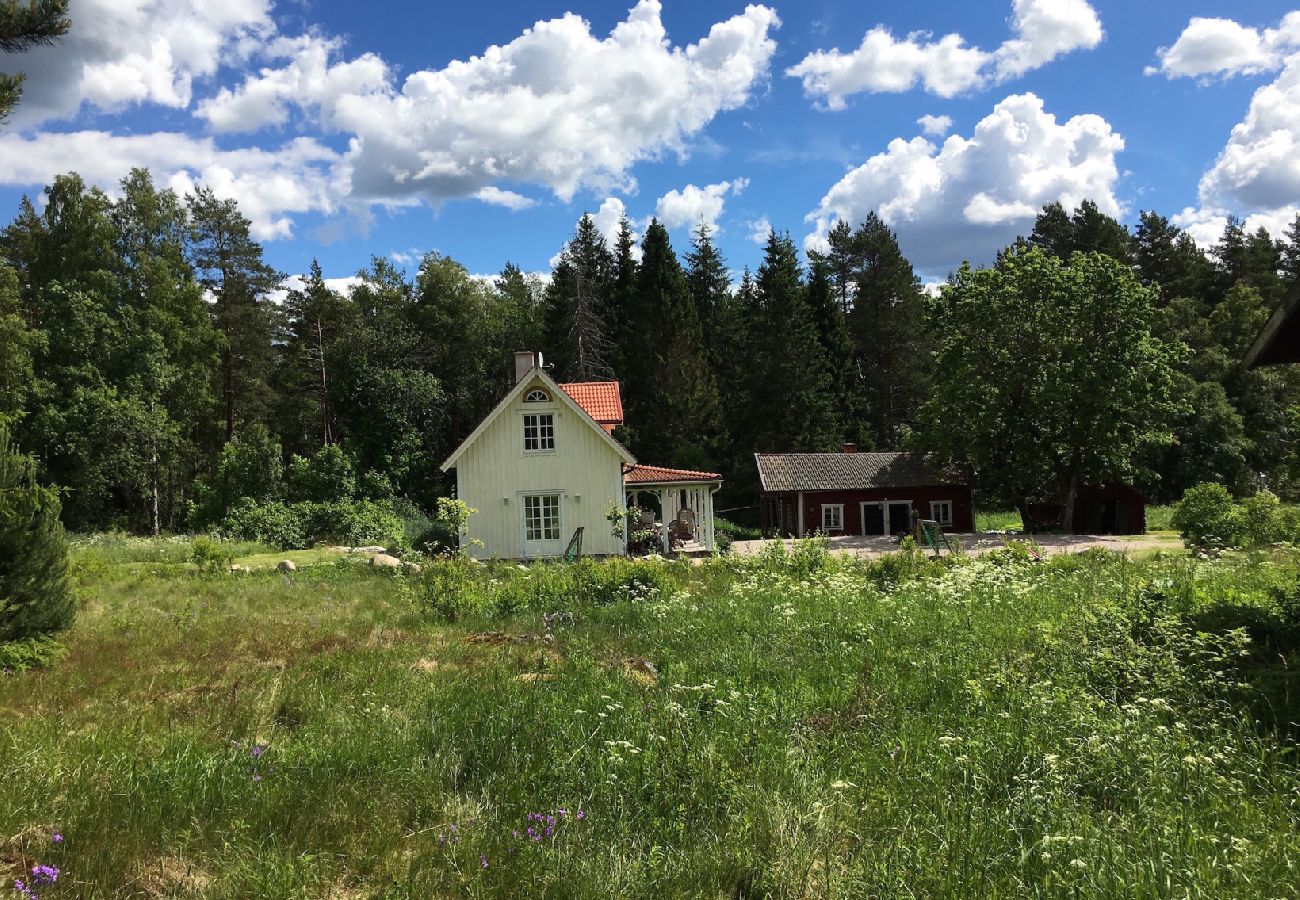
{"x":659,"y":475}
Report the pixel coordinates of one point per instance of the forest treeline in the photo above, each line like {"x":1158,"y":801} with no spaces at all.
{"x":144,"y":336}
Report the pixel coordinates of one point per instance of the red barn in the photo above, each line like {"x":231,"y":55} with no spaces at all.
{"x":857,"y":493}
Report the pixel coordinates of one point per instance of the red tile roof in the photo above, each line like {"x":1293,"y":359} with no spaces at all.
{"x":600,"y":399}
{"x":660,"y":475}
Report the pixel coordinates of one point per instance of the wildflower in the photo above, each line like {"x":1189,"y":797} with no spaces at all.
{"x":256,"y":751}
{"x":581,"y":815}
{"x":257,"y":778}
{"x":56,"y":838}
{"x":482,"y":860}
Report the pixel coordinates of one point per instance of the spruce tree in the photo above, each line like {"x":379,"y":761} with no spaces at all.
{"x":18,"y":343}
{"x":793,"y":404}
{"x":230,"y":266}
{"x":706,"y":274}
{"x":579,"y":342}
{"x":887,"y":323}
{"x":622,"y":284}
{"x":35,"y":595}
{"x":837,"y":352}
{"x":315,"y":316}
{"x":671,"y":398}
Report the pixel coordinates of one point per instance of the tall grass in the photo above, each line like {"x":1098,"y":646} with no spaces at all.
{"x":789,"y":725}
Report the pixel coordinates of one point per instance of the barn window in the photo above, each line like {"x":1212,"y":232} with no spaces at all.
{"x":539,"y":432}
{"x":537,"y":396}
{"x":832,"y":517}
{"x":941,"y":511}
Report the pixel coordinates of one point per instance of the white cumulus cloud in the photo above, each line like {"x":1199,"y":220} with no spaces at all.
{"x":1041,"y":31}
{"x":759,"y":230}
{"x":121,"y":52}
{"x":557,"y":106}
{"x":969,"y":197}
{"x":935,"y":125}
{"x":1257,"y":174}
{"x":692,"y":205}
{"x":270,"y":185}
{"x":499,"y":197}
{"x":1208,"y":47}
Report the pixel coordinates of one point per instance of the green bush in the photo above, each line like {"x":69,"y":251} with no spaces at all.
{"x":1259,"y":521}
{"x":296,"y":526}
{"x":1206,"y":517}
{"x":209,"y":555}
{"x":35,"y":594}
{"x":251,"y":468}
{"x":324,"y":477}
{"x":31,"y":653}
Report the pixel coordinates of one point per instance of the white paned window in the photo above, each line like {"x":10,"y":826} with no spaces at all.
{"x":941,"y":511}
{"x":537,"y":396}
{"x":539,"y":432}
{"x":542,"y":517}
{"x":832,"y":517}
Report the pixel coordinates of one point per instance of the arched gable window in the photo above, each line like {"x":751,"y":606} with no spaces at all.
{"x":537,"y":396}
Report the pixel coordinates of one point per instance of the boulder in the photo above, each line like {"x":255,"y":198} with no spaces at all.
{"x":368,"y":550}
{"x":239,"y":570}
{"x":384,"y":561}
{"x":286,"y":565}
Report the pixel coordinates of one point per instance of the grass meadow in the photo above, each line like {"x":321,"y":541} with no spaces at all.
{"x":789,"y":725}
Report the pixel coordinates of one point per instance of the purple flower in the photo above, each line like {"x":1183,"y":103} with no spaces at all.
{"x":257,"y":778}
{"x":482,"y":860}
{"x":257,"y":750}
{"x":56,"y":838}
{"x":561,"y":813}
{"x":43,"y":875}
{"x":581,"y":815}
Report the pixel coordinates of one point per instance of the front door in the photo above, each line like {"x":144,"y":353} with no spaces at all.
{"x":900,"y":518}
{"x":873,"y":519}
{"x":887,"y":518}
{"x":542,"y":536}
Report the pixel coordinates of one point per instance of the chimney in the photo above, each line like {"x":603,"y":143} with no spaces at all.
{"x":850,"y":448}
{"x":525,"y":360}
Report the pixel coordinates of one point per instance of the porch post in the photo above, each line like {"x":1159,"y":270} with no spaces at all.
{"x":664,"y":506}
{"x":708,"y":519}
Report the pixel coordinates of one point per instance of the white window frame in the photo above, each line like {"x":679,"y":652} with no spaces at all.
{"x":838,"y":509}
{"x":935,"y":506}
{"x":537,"y":395}
{"x":551,"y":524}
{"x":539,"y":431}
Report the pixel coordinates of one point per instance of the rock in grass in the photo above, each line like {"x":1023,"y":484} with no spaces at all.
{"x":384,"y":561}
{"x":286,"y":565}
{"x":239,"y":570}
{"x":367,"y":549}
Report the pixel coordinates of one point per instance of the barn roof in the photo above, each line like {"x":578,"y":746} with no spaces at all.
{"x":1279,"y":342}
{"x":847,"y":471}
{"x":659,"y":475}
{"x":599,"y":399}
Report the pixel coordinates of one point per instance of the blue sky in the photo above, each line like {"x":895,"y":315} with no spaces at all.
{"x":386,"y":128}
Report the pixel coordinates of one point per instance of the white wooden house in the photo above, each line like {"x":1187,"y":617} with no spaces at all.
{"x":545,"y":463}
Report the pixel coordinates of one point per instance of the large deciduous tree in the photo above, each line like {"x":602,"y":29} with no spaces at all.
{"x":1047,"y":376}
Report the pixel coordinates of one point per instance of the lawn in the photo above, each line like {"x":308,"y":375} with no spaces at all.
{"x":789,"y":725}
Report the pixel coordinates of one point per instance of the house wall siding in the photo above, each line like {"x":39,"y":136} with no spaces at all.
{"x":584,"y":469}
{"x":963,"y":517}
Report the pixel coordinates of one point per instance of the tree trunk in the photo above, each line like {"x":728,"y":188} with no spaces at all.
{"x":228,"y":388}
{"x":1067,"y":508}
{"x":324,"y":384}
{"x":1026,"y":519}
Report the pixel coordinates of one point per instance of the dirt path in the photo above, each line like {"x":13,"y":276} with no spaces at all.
{"x":1052,"y":544}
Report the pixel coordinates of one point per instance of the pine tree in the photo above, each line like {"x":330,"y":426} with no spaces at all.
{"x":837,"y":352}
{"x":791,"y":393}
{"x":22,"y":27}
{"x":315,"y":316}
{"x":229,"y":265}
{"x":706,"y":274}
{"x":579,"y":342}
{"x":672,"y":400}
{"x":18,"y":343}
{"x":1168,"y":259}
{"x":35,"y":595}
{"x":622,"y":284}
{"x":887,"y":323}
